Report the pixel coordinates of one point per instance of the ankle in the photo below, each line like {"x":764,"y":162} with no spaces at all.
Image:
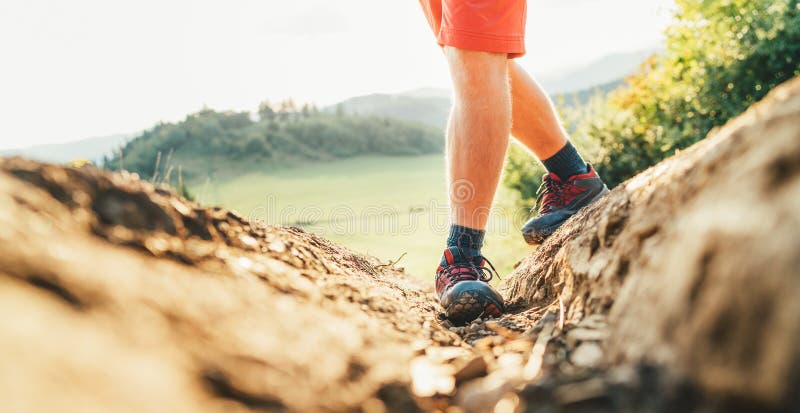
{"x":566,"y":162}
{"x":465,"y":237}
{"x":464,"y":243}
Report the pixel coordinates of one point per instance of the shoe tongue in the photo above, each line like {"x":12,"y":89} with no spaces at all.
{"x":455,"y":255}
{"x":452,"y":255}
{"x":552,"y":176}
{"x":589,"y":173}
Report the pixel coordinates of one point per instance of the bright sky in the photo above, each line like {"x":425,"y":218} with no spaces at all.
{"x":83,"y":68}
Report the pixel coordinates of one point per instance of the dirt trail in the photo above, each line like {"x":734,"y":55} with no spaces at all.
{"x":120,"y":296}
{"x":119,"y":290}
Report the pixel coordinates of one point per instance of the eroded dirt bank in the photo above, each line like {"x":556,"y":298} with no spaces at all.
{"x":677,"y":292}
{"x":121,"y":297}
{"x":696,"y":265}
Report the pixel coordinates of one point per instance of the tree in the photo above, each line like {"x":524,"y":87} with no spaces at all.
{"x":340,"y":110}
{"x":265,"y":111}
{"x":287,"y":109}
{"x":305,"y":111}
{"x":721,"y":57}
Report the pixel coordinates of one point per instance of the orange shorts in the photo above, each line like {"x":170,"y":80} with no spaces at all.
{"x":487,"y":25}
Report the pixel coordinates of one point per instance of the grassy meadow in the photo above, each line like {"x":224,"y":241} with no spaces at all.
{"x":380,"y":205}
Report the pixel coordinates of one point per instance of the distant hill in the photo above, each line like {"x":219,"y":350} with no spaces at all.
{"x":210,"y":143}
{"x":602,"y":71}
{"x":571,"y":99}
{"x":432,"y":106}
{"x":92,"y":149}
{"x":429,"y":106}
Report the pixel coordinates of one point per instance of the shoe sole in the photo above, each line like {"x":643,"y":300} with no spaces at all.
{"x":470,"y":305}
{"x":541,"y":235}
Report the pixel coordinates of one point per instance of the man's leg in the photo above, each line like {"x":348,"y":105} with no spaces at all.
{"x":477,"y":133}
{"x":478,"y":38}
{"x":570,"y":183}
{"x":477,"y":139}
{"x":536,"y":125}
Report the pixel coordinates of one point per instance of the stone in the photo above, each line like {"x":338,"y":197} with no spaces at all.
{"x":474,"y":368}
{"x":587,"y":355}
{"x":577,"y":335}
{"x":429,"y":378}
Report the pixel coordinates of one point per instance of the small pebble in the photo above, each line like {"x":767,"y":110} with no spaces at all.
{"x":587,"y":355}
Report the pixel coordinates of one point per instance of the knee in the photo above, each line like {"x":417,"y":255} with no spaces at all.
{"x":476,"y":68}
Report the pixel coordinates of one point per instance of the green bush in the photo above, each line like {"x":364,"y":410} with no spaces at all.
{"x":207,"y":136}
{"x":720,"y":57}
{"x":523,"y":173}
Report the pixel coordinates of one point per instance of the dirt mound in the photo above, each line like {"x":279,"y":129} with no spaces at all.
{"x":676,"y":292}
{"x":696,"y":261}
{"x":120,"y":296}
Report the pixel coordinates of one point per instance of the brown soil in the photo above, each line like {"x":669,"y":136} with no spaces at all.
{"x":676,"y":292}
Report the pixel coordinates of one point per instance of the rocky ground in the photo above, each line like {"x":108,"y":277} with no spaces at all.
{"x":676,"y":292}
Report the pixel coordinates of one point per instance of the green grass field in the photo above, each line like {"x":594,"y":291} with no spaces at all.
{"x":383,"y":206}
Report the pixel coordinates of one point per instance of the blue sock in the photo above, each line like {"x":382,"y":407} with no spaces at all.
{"x":566,"y":162}
{"x":464,"y":243}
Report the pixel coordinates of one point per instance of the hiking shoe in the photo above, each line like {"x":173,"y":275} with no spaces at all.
{"x":560,"y":200}
{"x":463,"y":289}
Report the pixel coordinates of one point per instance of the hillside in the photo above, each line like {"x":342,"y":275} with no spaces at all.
{"x":428,"y":106}
{"x":432,"y":106}
{"x":208,"y":142}
{"x":92,"y":149}
{"x":605,"y":70}
{"x":581,"y":97}
{"x":676,"y":292}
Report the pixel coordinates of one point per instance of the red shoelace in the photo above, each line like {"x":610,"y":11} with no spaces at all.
{"x":469,"y":271}
{"x":551,"y":194}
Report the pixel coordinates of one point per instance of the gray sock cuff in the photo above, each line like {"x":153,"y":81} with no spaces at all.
{"x":566,"y":162}
{"x":465,"y":237}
